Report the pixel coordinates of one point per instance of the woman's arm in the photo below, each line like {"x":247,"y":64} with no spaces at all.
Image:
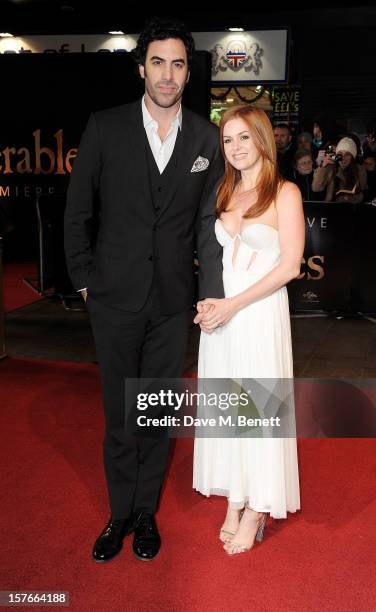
{"x":291,"y":230}
{"x":322,"y":177}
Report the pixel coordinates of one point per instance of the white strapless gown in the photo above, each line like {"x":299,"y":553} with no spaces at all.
{"x":256,"y":343}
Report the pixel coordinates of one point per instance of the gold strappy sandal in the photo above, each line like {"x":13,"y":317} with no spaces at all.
{"x":238,"y":548}
{"x":227,"y":537}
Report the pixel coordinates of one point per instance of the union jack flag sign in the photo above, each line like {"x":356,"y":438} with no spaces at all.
{"x":236,"y":58}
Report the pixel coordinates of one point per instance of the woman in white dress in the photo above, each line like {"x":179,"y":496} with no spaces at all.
{"x":260,"y":225}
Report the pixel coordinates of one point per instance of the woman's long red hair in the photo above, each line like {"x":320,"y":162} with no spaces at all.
{"x":269,"y":180}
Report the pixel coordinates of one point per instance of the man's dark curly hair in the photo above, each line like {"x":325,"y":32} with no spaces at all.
{"x":161,"y":29}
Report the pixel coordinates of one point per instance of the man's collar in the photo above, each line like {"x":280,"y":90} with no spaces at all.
{"x":148,"y":119}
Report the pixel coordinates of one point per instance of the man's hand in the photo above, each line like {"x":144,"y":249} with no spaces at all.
{"x":215,"y":312}
{"x":202,"y":310}
{"x":84,"y":294}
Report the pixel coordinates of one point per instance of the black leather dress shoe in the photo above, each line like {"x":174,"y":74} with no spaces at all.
{"x":146,"y":541}
{"x":110,"y":542}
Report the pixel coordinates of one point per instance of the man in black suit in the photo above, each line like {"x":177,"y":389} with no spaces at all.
{"x":286,"y":150}
{"x":152,"y":166}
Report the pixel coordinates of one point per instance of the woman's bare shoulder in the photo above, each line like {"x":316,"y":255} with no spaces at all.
{"x":288,"y":193}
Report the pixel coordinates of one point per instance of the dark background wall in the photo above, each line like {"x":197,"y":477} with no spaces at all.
{"x":50,"y":93}
{"x":333,"y":41}
{"x":336,"y":69}
{"x":333,"y":47}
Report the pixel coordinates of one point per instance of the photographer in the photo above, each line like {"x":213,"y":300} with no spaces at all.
{"x":339,"y":173}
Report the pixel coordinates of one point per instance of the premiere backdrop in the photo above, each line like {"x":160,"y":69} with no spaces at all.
{"x":45,"y":105}
{"x":337,"y":273}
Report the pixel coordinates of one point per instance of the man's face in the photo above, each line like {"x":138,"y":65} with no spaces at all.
{"x":371,"y":142}
{"x":165,"y":71}
{"x":317,"y":133}
{"x":282,"y":138}
{"x":370,"y":164}
{"x":303,"y":143}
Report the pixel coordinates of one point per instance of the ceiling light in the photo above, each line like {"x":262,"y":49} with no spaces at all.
{"x":116,"y":32}
{"x":236,"y":29}
{"x":229,"y":99}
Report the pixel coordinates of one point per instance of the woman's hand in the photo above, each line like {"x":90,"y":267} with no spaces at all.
{"x":220,"y":312}
{"x":320,"y":158}
{"x":327,"y":161}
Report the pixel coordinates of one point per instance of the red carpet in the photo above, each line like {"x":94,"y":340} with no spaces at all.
{"x":54,"y":504}
{"x":16,"y":292}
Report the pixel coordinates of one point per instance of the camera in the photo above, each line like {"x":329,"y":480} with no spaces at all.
{"x":330,"y":150}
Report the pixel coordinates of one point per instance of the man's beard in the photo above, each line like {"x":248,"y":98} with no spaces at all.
{"x":163,"y":101}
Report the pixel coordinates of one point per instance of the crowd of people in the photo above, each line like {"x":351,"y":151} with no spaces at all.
{"x":328,"y":167}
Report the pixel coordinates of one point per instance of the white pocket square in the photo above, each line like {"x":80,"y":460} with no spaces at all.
{"x":200,"y":164}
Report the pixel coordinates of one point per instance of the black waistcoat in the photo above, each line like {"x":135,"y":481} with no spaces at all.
{"x":161,"y":185}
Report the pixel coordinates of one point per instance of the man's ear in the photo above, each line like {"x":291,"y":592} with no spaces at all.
{"x":141,"y":70}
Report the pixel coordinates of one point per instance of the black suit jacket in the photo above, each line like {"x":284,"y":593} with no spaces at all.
{"x":134,"y":242}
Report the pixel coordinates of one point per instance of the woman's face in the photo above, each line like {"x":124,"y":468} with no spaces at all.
{"x":239,"y":148}
{"x":304,"y":165}
{"x":346,"y":160}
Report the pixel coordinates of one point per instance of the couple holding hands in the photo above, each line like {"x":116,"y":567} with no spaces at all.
{"x":167,"y":182}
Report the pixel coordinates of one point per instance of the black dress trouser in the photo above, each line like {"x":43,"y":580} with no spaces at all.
{"x":144,"y":344}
